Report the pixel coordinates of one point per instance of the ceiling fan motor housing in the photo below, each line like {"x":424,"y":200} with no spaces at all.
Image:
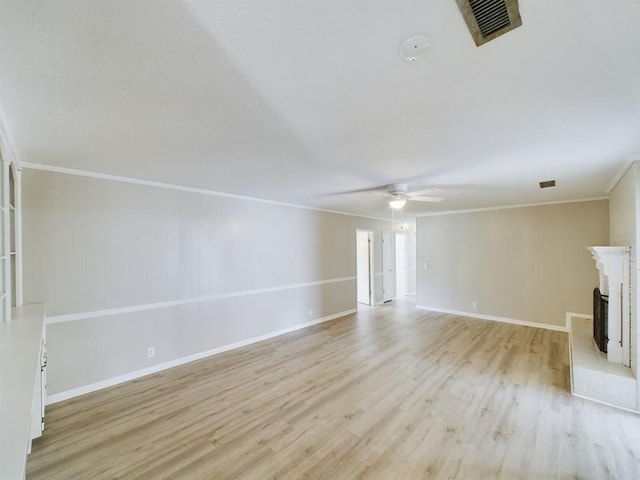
{"x":398,"y":189}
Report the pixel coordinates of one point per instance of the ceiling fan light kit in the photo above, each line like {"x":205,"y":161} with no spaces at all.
{"x":397,"y":203}
{"x":399,"y":193}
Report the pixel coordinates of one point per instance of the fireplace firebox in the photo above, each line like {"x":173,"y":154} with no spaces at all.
{"x":600,"y":319}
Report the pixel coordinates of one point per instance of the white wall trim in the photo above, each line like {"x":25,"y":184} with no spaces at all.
{"x":506,"y":207}
{"x":75,"y":392}
{"x":546,"y":326}
{"x":172,"y":303}
{"x":183,"y":188}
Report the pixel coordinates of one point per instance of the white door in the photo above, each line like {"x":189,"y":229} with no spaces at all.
{"x":363,"y":266}
{"x":388,"y":266}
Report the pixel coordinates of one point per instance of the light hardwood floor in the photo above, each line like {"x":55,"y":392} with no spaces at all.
{"x":389,"y":393}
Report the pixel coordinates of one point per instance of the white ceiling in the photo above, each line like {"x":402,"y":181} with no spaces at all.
{"x":300,"y":100}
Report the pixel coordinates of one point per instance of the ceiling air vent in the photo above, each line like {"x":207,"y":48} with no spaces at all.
{"x":488,"y":19}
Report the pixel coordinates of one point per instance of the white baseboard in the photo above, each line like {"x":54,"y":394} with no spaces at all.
{"x":546,"y":326}
{"x":76,"y":392}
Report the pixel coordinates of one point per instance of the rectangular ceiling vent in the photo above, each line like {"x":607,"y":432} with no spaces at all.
{"x":488,"y":19}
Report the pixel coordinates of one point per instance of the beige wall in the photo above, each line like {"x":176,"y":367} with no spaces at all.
{"x":624,"y":212}
{"x":527,"y":264}
{"x":99,"y":253}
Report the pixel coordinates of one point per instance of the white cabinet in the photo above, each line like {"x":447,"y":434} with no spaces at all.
{"x":22,"y":390}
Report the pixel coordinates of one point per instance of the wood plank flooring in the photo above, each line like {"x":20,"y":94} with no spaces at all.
{"x":389,"y":393}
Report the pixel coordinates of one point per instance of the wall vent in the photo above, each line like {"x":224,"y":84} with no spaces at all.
{"x":488,"y":19}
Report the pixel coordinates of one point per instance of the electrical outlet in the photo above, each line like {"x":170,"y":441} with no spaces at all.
{"x":151,"y":352}
{"x":310,"y":312}
{"x":475,"y":305}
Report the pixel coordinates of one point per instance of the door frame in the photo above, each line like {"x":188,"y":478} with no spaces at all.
{"x":370,"y":263}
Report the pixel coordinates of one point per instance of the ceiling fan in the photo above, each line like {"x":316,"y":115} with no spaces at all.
{"x":399,"y":194}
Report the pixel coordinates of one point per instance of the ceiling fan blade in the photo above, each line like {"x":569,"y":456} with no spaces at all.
{"x":418,"y":193}
{"x":378,"y":190}
{"x":382,"y":193}
{"x":426,"y":199}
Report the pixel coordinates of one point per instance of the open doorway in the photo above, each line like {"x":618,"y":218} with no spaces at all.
{"x":406,"y":271}
{"x":364,"y":266}
{"x":388,"y":266}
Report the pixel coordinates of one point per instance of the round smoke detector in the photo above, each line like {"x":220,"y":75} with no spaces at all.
{"x":414,"y":48}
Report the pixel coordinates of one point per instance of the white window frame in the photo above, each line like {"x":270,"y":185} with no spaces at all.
{"x":10,"y":239}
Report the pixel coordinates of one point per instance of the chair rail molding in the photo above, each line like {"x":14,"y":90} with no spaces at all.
{"x":613,"y":266}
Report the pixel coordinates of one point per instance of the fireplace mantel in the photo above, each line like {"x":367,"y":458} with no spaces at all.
{"x":613,"y":265}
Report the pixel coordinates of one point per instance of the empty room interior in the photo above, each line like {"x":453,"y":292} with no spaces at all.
{"x":340,"y":240}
